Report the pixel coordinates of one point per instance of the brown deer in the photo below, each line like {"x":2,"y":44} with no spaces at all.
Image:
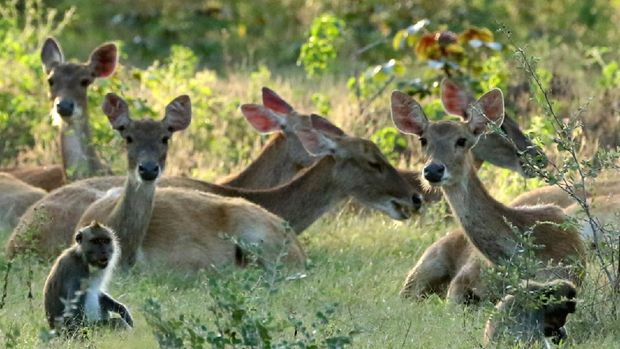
{"x":349,"y":166}
{"x":68,"y":85}
{"x":283,"y":156}
{"x":553,"y":194}
{"x":485,"y":221}
{"x":201,"y":219}
{"x":16,"y":197}
{"x":128,"y":211}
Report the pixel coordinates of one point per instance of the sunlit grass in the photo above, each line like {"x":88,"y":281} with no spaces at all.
{"x":356,"y":261}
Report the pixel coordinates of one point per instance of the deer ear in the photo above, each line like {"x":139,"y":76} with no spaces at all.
{"x":51,"y":54}
{"x":117,"y":111}
{"x":322,"y":124}
{"x":261,"y":118}
{"x":178,"y":114}
{"x":316,"y":143}
{"x":103,"y":60}
{"x":454,"y":99}
{"x":489,"y":108}
{"x":274,"y":102}
{"x":407,"y":114}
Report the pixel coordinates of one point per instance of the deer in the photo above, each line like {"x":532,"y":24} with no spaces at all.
{"x":348,"y":166}
{"x":17,"y":196}
{"x":283,"y":156}
{"x":486,"y":223}
{"x":556,"y":195}
{"x":136,"y":211}
{"x":128,"y":210}
{"x":68,"y":84}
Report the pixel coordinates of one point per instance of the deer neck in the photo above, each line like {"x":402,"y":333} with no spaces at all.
{"x":131,"y":214}
{"x":301,"y":201}
{"x":78,"y":155}
{"x":482,"y":217}
{"x":306,"y":197}
{"x":270,"y":168}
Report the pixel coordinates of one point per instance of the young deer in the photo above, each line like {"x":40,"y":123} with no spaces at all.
{"x":485,"y":221}
{"x":128,"y":212}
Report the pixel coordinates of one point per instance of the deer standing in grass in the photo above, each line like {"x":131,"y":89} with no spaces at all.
{"x":485,"y":221}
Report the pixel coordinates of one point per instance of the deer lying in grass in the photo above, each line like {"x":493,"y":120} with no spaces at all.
{"x":17,"y":196}
{"x":283,"y":156}
{"x":485,"y":221}
{"x":179,"y":221}
{"x":555,"y":195}
{"x":68,"y":85}
{"x":128,"y":211}
{"x":349,"y":166}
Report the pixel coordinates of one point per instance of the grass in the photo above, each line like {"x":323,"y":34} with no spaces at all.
{"x":357,"y":261}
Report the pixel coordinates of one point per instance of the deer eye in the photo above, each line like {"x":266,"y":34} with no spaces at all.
{"x":461,"y":142}
{"x":165,"y":139}
{"x":85,"y":82}
{"x":129,"y":139}
{"x":50,"y":81}
{"x":423,"y":141}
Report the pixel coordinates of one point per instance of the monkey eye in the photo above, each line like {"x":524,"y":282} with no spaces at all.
{"x":50,"y":81}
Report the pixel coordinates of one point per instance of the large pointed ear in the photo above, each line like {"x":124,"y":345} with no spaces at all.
{"x":261,"y":118}
{"x":103,"y":60}
{"x":51,"y":54}
{"x":316,"y":143}
{"x":455,"y":99}
{"x":407,"y":114}
{"x":178,"y":113}
{"x":274,"y":102}
{"x":488,"y":108}
{"x":117,"y":111}
{"x":322,"y":124}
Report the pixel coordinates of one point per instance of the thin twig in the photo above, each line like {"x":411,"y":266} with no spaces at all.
{"x":5,"y":286}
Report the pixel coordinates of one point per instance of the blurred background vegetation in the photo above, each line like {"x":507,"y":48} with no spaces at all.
{"x":339,"y":57}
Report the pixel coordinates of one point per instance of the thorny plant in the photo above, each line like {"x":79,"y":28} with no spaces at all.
{"x":573,"y":175}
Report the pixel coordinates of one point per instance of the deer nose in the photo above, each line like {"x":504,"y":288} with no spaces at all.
{"x":148,"y":171}
{"x":65,"y":107}
{"x":417,"y":201}
{"x":434,"y":172}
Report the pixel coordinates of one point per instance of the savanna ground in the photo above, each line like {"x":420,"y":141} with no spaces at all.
{"x":357,"y":261}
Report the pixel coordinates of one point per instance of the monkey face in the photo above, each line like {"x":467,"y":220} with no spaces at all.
{"x":97,"y":245}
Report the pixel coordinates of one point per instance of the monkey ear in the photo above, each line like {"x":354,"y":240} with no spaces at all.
{"x":78,"y":237}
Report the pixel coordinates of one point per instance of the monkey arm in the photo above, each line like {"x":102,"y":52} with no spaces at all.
{"x":110,"y":304}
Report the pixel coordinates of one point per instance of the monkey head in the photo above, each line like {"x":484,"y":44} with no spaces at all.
{"x":97,"y":244}
{"x":558,"y":301}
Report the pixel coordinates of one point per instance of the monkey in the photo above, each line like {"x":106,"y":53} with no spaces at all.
{"x":537,"y":314}
{"x":74,"y":293}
